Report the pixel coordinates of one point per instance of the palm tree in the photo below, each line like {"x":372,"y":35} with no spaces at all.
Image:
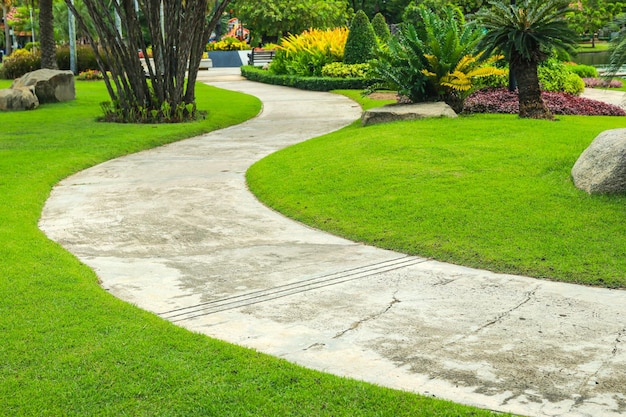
{"x":46,"y":35}
{"x":526,"y":34}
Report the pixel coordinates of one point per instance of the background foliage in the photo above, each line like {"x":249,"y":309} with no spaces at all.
{"x":272,"y":19}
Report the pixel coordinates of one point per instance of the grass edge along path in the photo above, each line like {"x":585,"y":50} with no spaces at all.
{"x":68,"y":348}
{"x":485,"y":191}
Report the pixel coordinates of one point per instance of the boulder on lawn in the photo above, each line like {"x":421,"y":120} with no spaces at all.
{"x":395,"y":112}
{"x":601,"y":168}
{"x":18,"y":99}
{"x":51,"y":86}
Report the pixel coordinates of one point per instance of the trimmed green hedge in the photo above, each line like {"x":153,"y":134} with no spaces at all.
{"x":304,"y":83}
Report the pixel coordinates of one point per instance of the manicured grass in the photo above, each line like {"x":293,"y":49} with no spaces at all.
{"x":68,"y":348}
{"x":599,"y":46}
{"x":487,"y":191}
{"x":365,"y":101}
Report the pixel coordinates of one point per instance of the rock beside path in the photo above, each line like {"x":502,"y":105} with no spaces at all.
{"x":51,"y":86}
{"x":18,"y":99}
{"x":601,"y":168}
{"x":395,"y":112}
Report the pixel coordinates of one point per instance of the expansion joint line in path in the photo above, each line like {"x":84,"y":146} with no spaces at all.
{"x":309,"y":284}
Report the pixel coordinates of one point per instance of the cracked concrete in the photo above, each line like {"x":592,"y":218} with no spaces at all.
{"x":175,"y":231}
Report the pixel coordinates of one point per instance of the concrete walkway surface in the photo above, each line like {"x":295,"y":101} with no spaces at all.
{"x":175,"y":231}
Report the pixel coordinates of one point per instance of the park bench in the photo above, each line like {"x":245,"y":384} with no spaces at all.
{"x":260,"y":57}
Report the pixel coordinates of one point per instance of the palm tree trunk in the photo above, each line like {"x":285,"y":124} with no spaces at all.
{"x":46,"y":35}
{"x":7,"y":32}
{"x":529,"y":94}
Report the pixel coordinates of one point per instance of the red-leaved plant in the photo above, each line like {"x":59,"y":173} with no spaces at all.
{"x":500,"y":100}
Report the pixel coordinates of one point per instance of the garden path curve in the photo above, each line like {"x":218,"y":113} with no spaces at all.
{"x":175,"y":231}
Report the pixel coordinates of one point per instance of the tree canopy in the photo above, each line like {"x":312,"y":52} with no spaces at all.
{"x":269,"y":20}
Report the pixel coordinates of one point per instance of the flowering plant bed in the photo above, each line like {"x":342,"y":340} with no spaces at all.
{"x":500,"y":100}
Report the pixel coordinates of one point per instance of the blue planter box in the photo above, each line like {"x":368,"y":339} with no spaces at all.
{"x":221,"y":59}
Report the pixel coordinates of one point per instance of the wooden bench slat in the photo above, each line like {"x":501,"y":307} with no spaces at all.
{"x":262,"y":57}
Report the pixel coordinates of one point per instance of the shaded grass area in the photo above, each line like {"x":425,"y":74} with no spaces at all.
{"x":70,"y":349}
{"x":486,"y":191}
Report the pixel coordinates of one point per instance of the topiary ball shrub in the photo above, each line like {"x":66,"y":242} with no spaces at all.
{"x":501,"y":100}
{"x":361,"y":40}
{"x":381,"y":29}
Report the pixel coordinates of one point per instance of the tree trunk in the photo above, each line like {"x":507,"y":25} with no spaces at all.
{"x":7,"y":36}
{"x":529,"y":94}
{"x":198,"y":46}
{"x":161,"y":94}
{"x":46,"y":35}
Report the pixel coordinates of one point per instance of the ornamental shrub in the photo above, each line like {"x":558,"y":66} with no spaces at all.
{"x":361,"y":40}
{"x":85,"y":58}
{"x":435,"y":61}
{"x":304,"y":83}
{"x":500,"y":100}
{"x":584,"y":71}
{"x":555,"y":76}
{"x":228,"y":44}
{"x":341,"y":70}
{"x":306,"y":54}
{"x":381,"y":29}
{"x":602,"y":83}
{"x":90,"y":75}
{"x":19,"y":63}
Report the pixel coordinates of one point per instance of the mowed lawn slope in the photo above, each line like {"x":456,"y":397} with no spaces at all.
{"x":486,"y":191}
{"x":68,"y":348}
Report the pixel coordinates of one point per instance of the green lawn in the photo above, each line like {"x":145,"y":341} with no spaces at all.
{"x":70,"y":349}
{"x":599,"y":46}
{"x":486,"y":191}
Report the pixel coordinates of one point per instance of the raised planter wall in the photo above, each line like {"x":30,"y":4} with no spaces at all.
{"x":223,"y":59}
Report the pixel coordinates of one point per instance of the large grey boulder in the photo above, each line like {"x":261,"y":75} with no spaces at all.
{"x":395,"y":112}
{"x":601,"y":168}
{"x":18,"y":99}
{"x":51,"y":86}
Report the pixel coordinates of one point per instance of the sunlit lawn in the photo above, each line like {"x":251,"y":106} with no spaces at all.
{"x":487,"y":191}
{"x":68,"y":348}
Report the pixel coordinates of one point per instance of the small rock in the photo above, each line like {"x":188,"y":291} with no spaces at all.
{"x":601,"y":168}
{"x":18,"y":99}
{"x":51,"y":86}
{"x":395,"y":112}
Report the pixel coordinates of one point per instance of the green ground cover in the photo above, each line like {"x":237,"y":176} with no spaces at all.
{"x":68,"y":348}
{"x":487,"y":191}
{"x":599,"y":46}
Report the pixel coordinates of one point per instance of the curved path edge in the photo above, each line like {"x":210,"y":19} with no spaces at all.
{"x":175,"y":231}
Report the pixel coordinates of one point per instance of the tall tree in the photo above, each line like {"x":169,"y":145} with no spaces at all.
{"x":588,"y":16}
{"x":47,"y":44}
{"x":276,"y":18}
{"x":178,"y":32}
{"x":525,"y":33}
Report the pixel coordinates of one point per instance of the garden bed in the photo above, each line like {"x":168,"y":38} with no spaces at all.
{"x":304,"y":83}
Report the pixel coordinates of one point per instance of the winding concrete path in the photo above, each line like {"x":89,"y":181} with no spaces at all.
{"x":175,"y":231}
